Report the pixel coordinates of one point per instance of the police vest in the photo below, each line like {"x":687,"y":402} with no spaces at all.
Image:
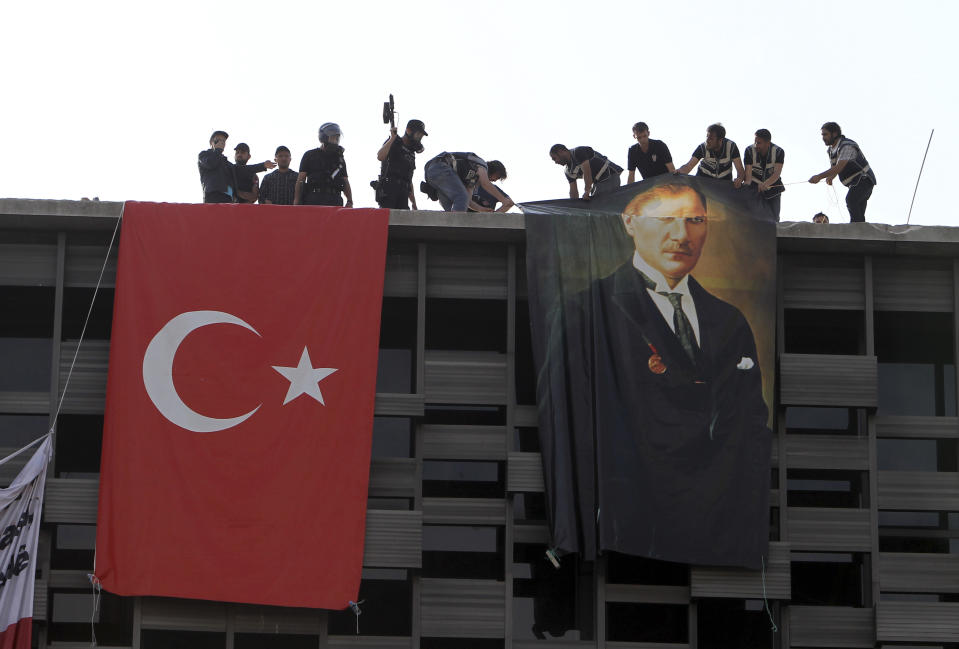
{"x":761,"y":171}
{"x":326,"y":171}
{"x":717,"y":165}
{"x":856,"y":168}
{"x":466,"y":166}
{"x":608,"y":168}
{"x":399,"y":164}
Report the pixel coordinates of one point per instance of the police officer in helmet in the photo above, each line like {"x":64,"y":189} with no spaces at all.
{"x":323,"y":179}
{"x":397,"y":157}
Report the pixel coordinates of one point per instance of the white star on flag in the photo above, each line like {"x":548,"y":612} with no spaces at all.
{"x":304,"y":378}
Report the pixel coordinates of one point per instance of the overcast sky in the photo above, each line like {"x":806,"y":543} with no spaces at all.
{"x":116,"y":99}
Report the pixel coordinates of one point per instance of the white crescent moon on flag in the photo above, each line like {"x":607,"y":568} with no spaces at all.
{"x":158,"y":371}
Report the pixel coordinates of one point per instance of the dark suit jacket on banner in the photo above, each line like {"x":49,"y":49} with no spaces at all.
{"x":672,"y":465}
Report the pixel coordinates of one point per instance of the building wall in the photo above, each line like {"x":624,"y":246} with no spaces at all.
{"x":864,"y":517}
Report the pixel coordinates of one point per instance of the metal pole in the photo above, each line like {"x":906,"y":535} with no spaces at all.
{"x":920,"y":176}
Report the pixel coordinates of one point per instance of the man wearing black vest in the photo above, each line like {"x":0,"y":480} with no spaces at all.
{"x":765,"y":163}
{"x":718,"y":156}
{"x":847,"y":161}
{"x":397,"y":158}
{"x":651,"y":157}
{"x":600,"y":175}
{"x":322,"y":178}
{"x":452,"y":177}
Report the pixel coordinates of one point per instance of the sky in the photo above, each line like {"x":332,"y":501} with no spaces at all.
{"x":116,"y":99}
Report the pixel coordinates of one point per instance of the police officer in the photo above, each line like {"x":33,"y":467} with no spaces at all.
{"x":599,"y":173}
{"x":765,"y":163}
{"x":451,"y":178}
{"x":847,"y":161}
{"x":322,"y":178}
{"x":484,"y":199}
{"x":397,"y":159}
{"x":718,"y":156}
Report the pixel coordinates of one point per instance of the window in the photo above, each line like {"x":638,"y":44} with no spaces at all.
{"x":395,"y":370}
{"x":72,"y":610}
{"x":74,"y":547}
{"x":647,"y":623}
{"x":26,"y":333}
{"x":78,"y":442}
{"x":473,"y":325}
{"x":387,"y":608}
{"x":275,"y":641}
{"x":822,"y":488}
{"x":626,"y":569}
{"x":813,"y":331}
{"x":908,"y":531}
{"x":463,"y":551}
{"x":525,"y":369}
{"x":917,"y":454}
{"x":917,"y":375}
{"x":825,"y":421}
{"x":76,"y":305}
{"x":529,"y":507}
{"x":551,"y":602}
{"x":734,"y":624}
{"x":463,"y":479}
{"x":154,"y":639}
{"x":827,"y":578}
{"x":392,"y":437}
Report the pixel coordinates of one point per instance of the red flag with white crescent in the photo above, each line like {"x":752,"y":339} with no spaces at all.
{"x":238,"y":425}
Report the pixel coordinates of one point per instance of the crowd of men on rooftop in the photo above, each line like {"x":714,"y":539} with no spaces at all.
{"x":463,"y":181}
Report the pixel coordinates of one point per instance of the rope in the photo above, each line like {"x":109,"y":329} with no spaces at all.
{"x":96,"y":591}
{"x":355,"y":606}
{"x":766,"y":599}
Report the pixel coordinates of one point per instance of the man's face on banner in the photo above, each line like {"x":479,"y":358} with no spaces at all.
{"x":668,"y":228}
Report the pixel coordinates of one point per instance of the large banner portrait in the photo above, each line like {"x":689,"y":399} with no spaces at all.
{"x":653,"y":317}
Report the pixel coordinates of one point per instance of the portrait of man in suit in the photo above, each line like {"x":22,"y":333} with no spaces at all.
{"x":659,"y":407}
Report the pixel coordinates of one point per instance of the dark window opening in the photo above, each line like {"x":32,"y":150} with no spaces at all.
{"x":73,"y":547}
{"x":734,"y":624}
{"x":825,"y":421}
{"x":465,"y":415}
{"x":917,"y":374}
{"x":528,"y":507}
{"x":647,"y":623}
{"x":823,"y":488}
{"x":26,"y":332}
{"x":525,"y":370}
{"x":551,"y":602}
{"x":387,"y":609}
{"x":815,"y":331}
{"x":392,"y":437}
{"x":626,"y":569}
{"x":526,"y":439}
{"x":275,"y":641}
{"x":76,"y":305}
{"x":827,"y":579}
{"x":461,"y":643}
{"x":72,"y":609}
{"x":470,"y":325}
{"x":155,"y":639}
{"x":917,"y":454}
{"x":463,"y":552}
{"x":78,"y":442}
{"x":463,"y":479}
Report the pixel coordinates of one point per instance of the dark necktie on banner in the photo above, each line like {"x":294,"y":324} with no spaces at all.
{"x":240,"y":395}
{"x":654,"y":444}
{"x":20,"y":507}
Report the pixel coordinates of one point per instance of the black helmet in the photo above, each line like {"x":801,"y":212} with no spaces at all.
{"x":328,"y":130}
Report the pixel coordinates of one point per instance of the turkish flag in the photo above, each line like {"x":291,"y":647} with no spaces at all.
{"x":239,"y":414}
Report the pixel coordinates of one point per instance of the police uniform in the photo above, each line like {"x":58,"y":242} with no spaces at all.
{"x":453,"y":176}
{"x":396,"y":177}
{"x":326,"y":174}
{"x":857,"y":175}
{"x":717,"y":164}
{"x":763,"y":167}
{"x":605,"y":173}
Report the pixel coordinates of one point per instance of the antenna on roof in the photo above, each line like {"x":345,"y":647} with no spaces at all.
{"x":920,"y":176}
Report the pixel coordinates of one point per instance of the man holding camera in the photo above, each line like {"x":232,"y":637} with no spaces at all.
{"x":397,"y":159}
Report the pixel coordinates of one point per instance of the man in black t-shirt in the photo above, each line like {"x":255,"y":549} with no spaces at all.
{"x":322,"y":178}
{"x":651,"y":157}
{"x":764,"y":164}
{"x":599,"y":173}
{"x":397,"y":159}
{"x":247,"y":183}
